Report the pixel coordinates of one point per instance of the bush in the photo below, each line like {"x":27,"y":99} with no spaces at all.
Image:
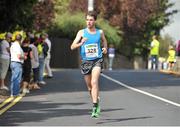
{"x":112,"y":34}
{"x":165,"y":41}
{"x":67,"y":26}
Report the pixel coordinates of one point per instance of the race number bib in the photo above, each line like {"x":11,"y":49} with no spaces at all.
{"x":91,"y":50}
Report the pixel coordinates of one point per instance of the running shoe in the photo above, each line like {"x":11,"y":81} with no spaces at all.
{"x":98,"y":109}
{"x":98,"y":106}
{"x":94,"y":113}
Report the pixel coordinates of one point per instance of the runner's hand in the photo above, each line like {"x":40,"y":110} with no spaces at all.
{"x":104,"y":50}
{"x":83,"y":40}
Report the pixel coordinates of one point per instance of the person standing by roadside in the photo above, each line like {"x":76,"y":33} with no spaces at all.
{"x":4,"y":59}
{"x":111,"y":55}
{"x":26,"y":75}
{"x":17,"y":59}
{"x":171,"y":58}
{"x":89,"y":41}
{"x":154,"y":52}
{"x":34,"y":63}
{"x":48,"y":72}
{"x":42,"y":51}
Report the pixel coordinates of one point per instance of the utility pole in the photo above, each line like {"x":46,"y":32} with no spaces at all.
{"x":90,"y":5}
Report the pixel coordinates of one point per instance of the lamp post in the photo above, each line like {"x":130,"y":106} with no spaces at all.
{"x":90,"y":5}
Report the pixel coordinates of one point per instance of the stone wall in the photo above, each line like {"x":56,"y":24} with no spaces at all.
{"x":61,"y":54}
{"x":63,"y":57}
{"x":122,"y":62}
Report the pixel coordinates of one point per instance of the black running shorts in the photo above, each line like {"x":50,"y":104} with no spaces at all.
{"x":87,"y":66}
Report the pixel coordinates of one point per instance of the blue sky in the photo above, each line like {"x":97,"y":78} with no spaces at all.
{"x":173,"y":29}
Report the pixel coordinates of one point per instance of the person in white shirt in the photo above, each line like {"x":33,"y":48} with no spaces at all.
{"x":47,"y":69}
{"x":111,"y":55}
{"x":17,"y":59}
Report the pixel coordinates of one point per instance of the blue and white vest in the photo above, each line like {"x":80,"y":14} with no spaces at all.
{"x":91,"y":49}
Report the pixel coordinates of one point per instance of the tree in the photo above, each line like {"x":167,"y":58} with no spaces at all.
{"x":16,"y":14}
{"x":26,"y":15}
{"x":67,"y":25}
{"x":61,"y":6}
{"x":44,"y":13}
{"x":165,"y":42}
{"x":138,"y":19}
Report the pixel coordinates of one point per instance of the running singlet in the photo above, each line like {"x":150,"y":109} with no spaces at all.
{"x":91,"y":49}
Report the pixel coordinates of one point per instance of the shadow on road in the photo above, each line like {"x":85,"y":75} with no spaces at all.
{"x":41,"y":111}
{"x":122,"y":119}
{"x":71,"y":81}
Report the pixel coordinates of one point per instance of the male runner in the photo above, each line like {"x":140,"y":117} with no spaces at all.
{"x":93,"y":45}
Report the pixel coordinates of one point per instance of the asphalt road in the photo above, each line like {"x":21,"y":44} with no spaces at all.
{"x":128,"y":98}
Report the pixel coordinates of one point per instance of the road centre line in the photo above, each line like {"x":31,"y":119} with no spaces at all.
{"x":140,"y":91}
{"x":16,"y":100}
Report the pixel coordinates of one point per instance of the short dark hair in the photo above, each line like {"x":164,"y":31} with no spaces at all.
{"x":93,"y":14}
{"x":18,"y":37}
{"x":155,"y":37}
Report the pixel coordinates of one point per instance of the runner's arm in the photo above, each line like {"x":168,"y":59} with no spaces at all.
{"x":104,"y":42}
{"x":78,"y":41}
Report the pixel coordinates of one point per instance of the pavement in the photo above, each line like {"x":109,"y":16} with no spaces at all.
{"x":170,"y":72}
{"x":4,"y":94}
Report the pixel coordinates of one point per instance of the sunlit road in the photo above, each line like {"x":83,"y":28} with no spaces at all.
{"x":138,"y":98}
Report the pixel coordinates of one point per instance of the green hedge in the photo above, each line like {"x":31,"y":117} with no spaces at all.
{"x":67,"y":26}
{"x":113,"y":35}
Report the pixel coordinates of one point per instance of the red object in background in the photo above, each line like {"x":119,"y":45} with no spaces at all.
{"x":178,"y":48}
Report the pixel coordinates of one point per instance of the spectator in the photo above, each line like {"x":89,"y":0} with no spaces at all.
{"x":111,"y":55}
{"x":171,"y":58}
{"x":48,"y":72}
{"x":17,"y":59}
{"x":35,"y":64}
{"x":26,"y":65}
{"x":154,"y":52}
{"x":42,"y":51}
{"x":4,"y":59}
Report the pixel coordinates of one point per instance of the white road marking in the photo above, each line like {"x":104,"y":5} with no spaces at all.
{"x":140,"y":91}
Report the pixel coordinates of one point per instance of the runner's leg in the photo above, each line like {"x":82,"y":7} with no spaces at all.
{"x":95,"y":83}
{"x":87,"y":79}
{"x":95,"y":91}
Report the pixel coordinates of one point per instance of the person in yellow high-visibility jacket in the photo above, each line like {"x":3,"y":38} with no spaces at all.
{"x":171,"y":58}
{"x":154,"y":52}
